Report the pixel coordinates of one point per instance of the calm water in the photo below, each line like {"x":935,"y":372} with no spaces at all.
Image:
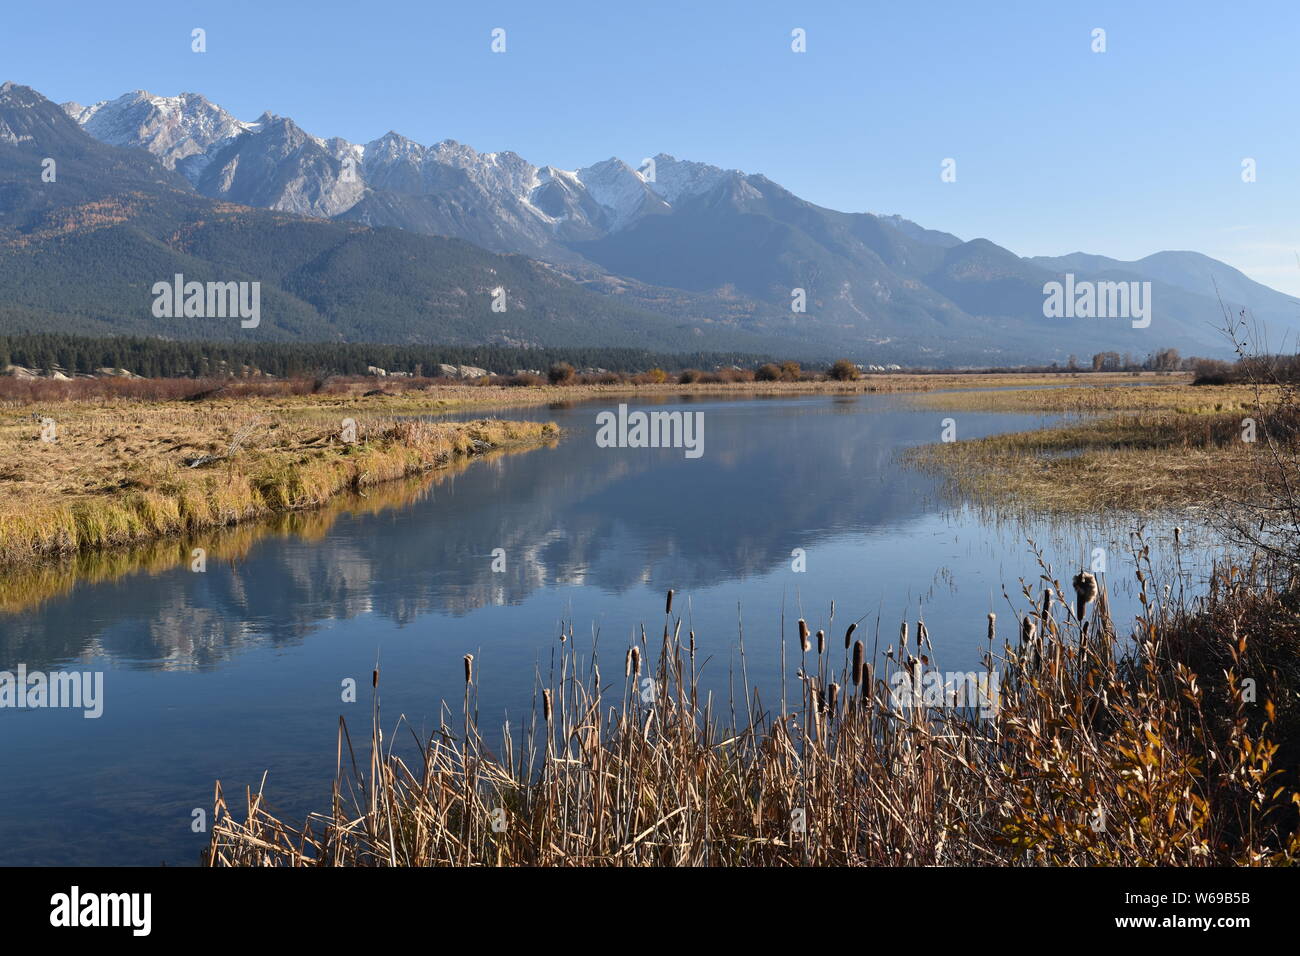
{"x":237,"y":670}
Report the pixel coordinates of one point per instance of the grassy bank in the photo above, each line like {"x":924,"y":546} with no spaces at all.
{"x":27,"y":584}
{"x":1100,"y":750}
{"x":1134,"y":449}
{"x":78,"y":476}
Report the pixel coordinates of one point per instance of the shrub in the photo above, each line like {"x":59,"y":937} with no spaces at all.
{"x":843,"y":371}
{"x":561,"y":373}
{"x":730,"y":375}
{"x":767,"y":373}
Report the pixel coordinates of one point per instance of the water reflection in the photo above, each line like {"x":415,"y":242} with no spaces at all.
{"x":777,"y":474}
{"x":229,"y":672}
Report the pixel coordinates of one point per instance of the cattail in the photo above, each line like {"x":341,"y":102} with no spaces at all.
{"x":635,"y":660}
{"x":1028,"y":630}
{"x":902,"y":638}
{"x":374,"y":677}
{"x":803,"y":636}
{"x":821,"y":641}
{"x":546,"y":705}
{"x":922,"y":636}
{"x":993,"y":627}
{"x":469,"y":668}
{"x":1085,"y":590}
{"x":1178,"y":534}
{"x":849,"y":634}
{"x":692,"y":634}
{"x":668,"y":607}
{"x":858,"y":653}
{"x":835,"y":695}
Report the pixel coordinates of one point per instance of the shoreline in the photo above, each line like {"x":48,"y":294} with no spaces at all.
{"x":116,"y":470}
{"x":86,"y":478}
{"x":1137,"y":450}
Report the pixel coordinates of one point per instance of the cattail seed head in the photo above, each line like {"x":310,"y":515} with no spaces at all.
{"x":1028,"y":630}
{"x":835,"y":695}
{"x":635,"y":660}
{"x":546,"y":705}
{"x":668,"y":607}
{"x":858,"y":654}
{"x":993,"y":627}
{"x":849,"y":634}
{"x":803,"y":635}
{"x":469,"y":668}
{"x":1085,"y":590}
{"x":374,"y":677}
{"x":821,"y":641}
{"x":902,"y":637}
{"x":922,"y":635}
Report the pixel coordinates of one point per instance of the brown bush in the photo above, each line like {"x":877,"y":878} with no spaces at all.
{"x":561,"y":373}
{"x":843,"y":371}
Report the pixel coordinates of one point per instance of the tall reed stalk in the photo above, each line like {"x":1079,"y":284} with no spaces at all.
{"x":1113,"y":752}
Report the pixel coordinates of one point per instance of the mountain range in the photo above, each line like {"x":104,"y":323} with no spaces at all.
{"x":407,"y":242}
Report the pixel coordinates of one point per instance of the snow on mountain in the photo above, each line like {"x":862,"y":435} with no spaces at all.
{"x":675,"y":178}
{"x":173,"y":128}
{"x":188,"y":133}
{"x":505,"y":172}
{"x":620,"y":190}
{"x":281,"y":166}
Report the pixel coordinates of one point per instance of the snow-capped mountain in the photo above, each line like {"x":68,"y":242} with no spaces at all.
{"x":703,"y":246}
{"x":182,"y":130}
{"x":272,"y":162}
{"x":277,"y":165}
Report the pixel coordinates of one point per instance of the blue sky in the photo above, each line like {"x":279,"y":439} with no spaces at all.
{"x":1058,"y":149}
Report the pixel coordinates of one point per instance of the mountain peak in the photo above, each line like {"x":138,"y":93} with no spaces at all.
{"x":676,"y":178}
{"x":17,"y":93}
{"x":618,"y":189}
{"x":182,"y":129}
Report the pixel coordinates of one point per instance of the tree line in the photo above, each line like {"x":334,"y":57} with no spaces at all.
{"x":163,"y":358}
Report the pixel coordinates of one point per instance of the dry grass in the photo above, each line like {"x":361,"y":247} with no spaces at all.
{"x":1132,"y":463}
{"x":1179,"y":396}
{"x":1135,"y":449}
{"x":432,"y":395}
{"x":120,"y":473}
{"x":1102,"y":751}
{"x":26,"y":585}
